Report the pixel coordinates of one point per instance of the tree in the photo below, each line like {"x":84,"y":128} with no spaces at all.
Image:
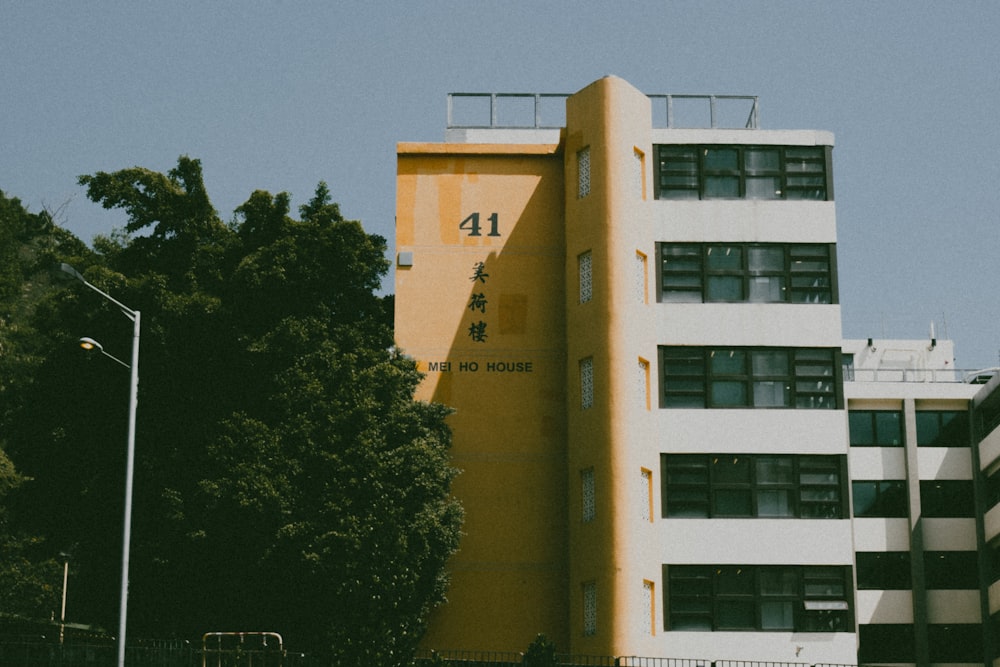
{"x":29,"y":573}
{"x":286,"y":479}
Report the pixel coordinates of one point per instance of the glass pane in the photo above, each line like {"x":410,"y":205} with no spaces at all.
{"x":814,"y":194}
{"x":732,"y":502}
{"x":764,"y":258}
{"x":824,"y":588}
{"x":691,"y":585}
{"x":684,"y":401}
{"x":762,"y":159}
{"x":735,"y":615}
{"x":927,"y":428}
{"x":820,"y":494}
{"x":679,"y":181}
{"x":865,"y":497}
{"x":803,"y":267}
{"x":954,"y":429}
{"x":778,"y":581}
{"x":769,"y":364}
{"x":861,"y":428}
{"x":690,"y":623}
{"x":678,"y":194}
{"x":687,"y":503}
{"x":686,"y":474}
{"x":763,"y":187}
{"x":766,"y":289}
{"x":819,"y":477}
{"x":803,"y":154}
{"x":771,"y":394}
{"x":731,"y":470}
{"x":889,"y":428}
{"x":892,"y":499}
{"x":729,"y":393}
{"x":721,"y":159}
{"x":776,"y":615}
{"x":724,"y":258}
{"x":722,"y":186}
{"x":729,"y":362}
{"x":775,"y":470}
{"x":685,"y":386}
{"x":725,"y":288}
{"x":682,"y":295}
{"x":682,"y":280}
{"x":774,"y":503}
{"x":684,"y":365}
{"x":690,"y":605}
{"x":731,"y":580}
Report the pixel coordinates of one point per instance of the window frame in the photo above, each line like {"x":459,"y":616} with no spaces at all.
{"x":939,"y":499}
{"x":692,"y":377}
{"x":943,"y":437}
{"x":951,"y":570}
{"x":692,"y":481}
{"x":691,"y":171}
{"x":733,"y":598}
{"x":873,"y":423}
{"x":883,"y":570}
{"x":686,"y":274}
{"x":881,"y":488}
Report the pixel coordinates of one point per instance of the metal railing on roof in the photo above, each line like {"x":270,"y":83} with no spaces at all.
{"x":548,"y":111}
{"x":889,"y":374}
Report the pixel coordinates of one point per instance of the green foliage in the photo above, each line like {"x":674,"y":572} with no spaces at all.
{"x":541,"y":653}
{"x":29,"y":575}
{"x":285,"y":477}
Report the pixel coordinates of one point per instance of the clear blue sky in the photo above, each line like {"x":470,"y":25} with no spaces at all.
{"x":281,"y":95}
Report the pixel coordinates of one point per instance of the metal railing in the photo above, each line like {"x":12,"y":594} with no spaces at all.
{"x":507,"y":110}
{"x":548,"y":111}
{"x":730,"y":117}
{"x":488,"y":659}
{"x":952,"y":375}
{"x":39,"y":651}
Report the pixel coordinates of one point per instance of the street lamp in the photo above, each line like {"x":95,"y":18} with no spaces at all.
{"x":62,"y":614}
{"x":91,"y":344}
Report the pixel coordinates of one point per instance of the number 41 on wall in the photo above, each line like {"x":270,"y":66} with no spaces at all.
{"x":472,"y":227}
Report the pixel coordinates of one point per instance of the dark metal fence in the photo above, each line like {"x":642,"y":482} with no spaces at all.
{"x":37,"y":651}
{"x":29,"y":651}
{"x":490,"y":659}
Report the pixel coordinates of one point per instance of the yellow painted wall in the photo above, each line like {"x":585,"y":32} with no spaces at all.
{"x":611,"y":120}
{"x":482,"y":312}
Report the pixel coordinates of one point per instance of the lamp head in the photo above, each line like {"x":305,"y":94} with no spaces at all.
{"x":91,"y":344}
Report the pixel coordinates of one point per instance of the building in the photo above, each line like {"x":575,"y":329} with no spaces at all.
{"x":638,"y":326}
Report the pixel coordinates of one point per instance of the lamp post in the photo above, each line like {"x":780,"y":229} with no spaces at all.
{"x":62,"y":614}
{"x":90,"y":344}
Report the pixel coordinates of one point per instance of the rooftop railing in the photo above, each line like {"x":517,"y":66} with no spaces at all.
{"x":919,"y":375}
{"x":548,"y":111}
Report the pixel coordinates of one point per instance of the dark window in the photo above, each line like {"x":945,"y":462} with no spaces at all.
{"x":951,"y":570}
{"x":880,"y":498}
{"x":742,"y":272}
{"x":743,"y":172}
{"x":992,"y":487}
{"x":771,"y":486}
{"x":876,"y":428}
{"x":946,"y":498}
{"x":994,"y":556}
{"x":955,"y":643}
{"x":888,"y":642}
{"x":847,"y":364}
{"x":757,"y":597}
{"x":883,"y":570}
{"x":697,"y":377}
{"x":942,"y":428}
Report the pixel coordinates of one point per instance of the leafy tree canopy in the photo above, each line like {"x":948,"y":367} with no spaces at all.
{"x":286,"y":478}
